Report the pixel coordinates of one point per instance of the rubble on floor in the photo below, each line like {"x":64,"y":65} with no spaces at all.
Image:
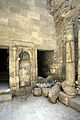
{"x":49,"y":87}
{"x":37,"y":92}
{"x":49,"y":79}
{"x":54,"y":93}
{"x":63,"y":98}
{"x":45,"y":92}
{"x":48,"y":82}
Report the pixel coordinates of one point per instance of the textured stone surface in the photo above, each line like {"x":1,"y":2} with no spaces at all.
{"x":45,"y":92}
{"x":75,"y":103}
{"x":37,"y":92}
{"x":25,"y":69}
{"x":5,"y":97}
{"x":26,"y":21}
{"x":54,"y":93}
{"x":64,"y":98}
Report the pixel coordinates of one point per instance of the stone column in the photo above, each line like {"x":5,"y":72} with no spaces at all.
{"x":17,"y":70}
{"x":69,"y":84}
{"x":79,"y":57}
{"x":12,"y":68}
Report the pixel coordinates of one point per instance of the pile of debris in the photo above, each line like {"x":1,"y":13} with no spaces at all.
{"x":48,"y":87}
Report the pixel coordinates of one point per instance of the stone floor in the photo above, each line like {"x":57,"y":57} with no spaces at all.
{"x":36,"y":108}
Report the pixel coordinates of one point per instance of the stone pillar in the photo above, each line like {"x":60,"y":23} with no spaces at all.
{"x":17,"y":70}
{"x":12,"y":68}
{"x":69,"y":84}
{"x":79,"y":57}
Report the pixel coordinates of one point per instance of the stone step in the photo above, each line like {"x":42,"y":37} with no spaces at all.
{"x":5,"y":97}
{"x":72,"y":102}
{"x":4,"y":91}
{"x":75,"y":103}
{"x":64,"y":98}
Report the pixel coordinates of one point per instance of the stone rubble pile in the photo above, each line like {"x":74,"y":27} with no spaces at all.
{"x":48,"y":87}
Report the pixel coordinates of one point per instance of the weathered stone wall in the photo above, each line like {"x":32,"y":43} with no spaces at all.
{"x":26,"y":20}
{"x":63,"y":11}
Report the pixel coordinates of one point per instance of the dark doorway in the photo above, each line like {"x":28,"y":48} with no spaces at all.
{"x":44,"y":61}
{"x":4,"y":68}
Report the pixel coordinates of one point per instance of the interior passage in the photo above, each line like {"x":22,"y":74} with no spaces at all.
{"x":45,"y":59}
{"x":4,"y":68}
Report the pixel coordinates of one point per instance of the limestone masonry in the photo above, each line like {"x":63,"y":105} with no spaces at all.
{"x":40,"y":49}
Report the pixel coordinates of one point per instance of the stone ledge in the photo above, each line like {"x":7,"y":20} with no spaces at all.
{"x":5,"y":91}
{"x":72,"y":102}
{"x":64,"y":98}
{"x":75,"y":103}
{"x":5,"y":98}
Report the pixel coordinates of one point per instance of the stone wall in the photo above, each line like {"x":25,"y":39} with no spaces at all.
{"x":26,"y":20}
{"x":64,"y":11}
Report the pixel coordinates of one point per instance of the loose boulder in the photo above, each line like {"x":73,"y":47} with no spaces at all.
{"x":45,"y":92}
{"x":54,"y":93}
{"x":37,"y":92}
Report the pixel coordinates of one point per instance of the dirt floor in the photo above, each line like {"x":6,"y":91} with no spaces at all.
{"x":36,"y":108}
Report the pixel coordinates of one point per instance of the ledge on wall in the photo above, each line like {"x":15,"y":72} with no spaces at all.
{"x":45,"y":47}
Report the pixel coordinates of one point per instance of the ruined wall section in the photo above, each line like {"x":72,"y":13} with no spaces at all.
{"x":26,"y":20}
{"x":64,"y":11}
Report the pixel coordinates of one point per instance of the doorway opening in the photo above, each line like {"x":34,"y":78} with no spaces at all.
{"x":44,"y":61}
{"x":4,"y":68}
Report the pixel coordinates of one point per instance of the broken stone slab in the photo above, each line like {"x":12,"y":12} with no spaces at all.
{"x":5,"y":97}
{"x":63,"y":98}
{"x":54,"y":93}
{"x":45,"y":92}
{"x":37,"y":92}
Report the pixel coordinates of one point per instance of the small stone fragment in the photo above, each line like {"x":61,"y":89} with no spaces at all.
{"x":37,"y":92}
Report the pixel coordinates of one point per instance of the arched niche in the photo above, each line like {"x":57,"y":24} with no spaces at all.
{"x":24,"y":69}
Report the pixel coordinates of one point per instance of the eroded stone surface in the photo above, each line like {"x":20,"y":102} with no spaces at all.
{"x":54,"y":93}
{"x":37,"y":92}
{"x":64,"y":98}
{"x":5,"y":97}
{"x":45,"y":92}
{"x":75,"y":103}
